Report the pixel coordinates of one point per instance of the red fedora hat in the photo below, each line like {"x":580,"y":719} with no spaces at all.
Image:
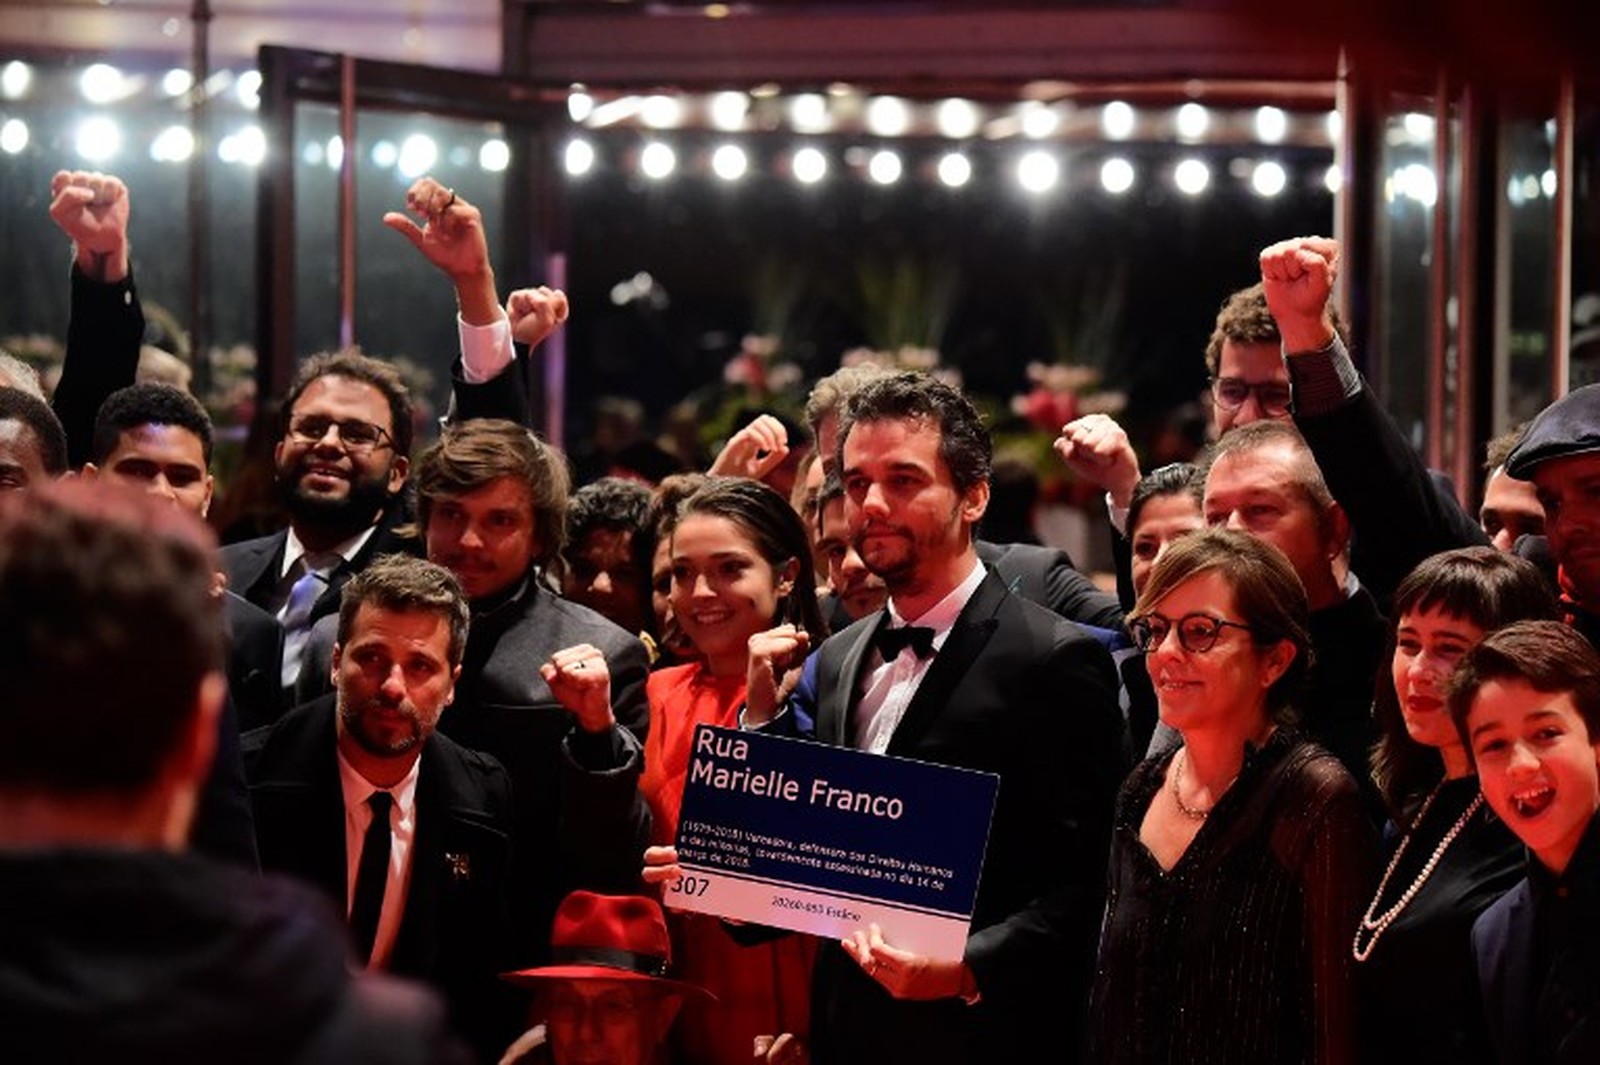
{"x":607,"y":937}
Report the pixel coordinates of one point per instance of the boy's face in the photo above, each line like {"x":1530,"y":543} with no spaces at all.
{"x":1537,"y":765}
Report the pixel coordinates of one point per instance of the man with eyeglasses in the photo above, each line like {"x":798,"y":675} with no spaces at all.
{"x":1248,"y":382}
{"x":341,"y":464}
{"x":1279,"y":352}
{"x":1400,"y":511}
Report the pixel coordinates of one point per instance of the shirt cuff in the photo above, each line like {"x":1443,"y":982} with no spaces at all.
{"x":1323,"y":380}
{"x":486,"y":350}
{"x":1118,"y":516}
{"x":745,"y":726}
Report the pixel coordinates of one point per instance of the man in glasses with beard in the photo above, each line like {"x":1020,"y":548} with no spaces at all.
{"x":346,"y":427}
{"x":341,"y":463}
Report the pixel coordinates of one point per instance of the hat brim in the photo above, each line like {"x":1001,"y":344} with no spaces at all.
{"x":536,"y":978}
{"x":1521,"y":467}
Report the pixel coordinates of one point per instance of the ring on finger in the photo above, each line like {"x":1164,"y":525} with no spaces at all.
{"x":450,"y":202}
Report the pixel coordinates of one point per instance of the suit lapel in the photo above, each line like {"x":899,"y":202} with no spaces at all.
{"x":328,"y":794}
{"x":1518,"y":971}
{"x":256,"y":576}
{"x":299,"y":803}
{"x":837,"y":704}
{"x":967,"y":639}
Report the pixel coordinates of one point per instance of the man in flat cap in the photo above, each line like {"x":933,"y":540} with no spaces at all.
{"x":1560,"y":454}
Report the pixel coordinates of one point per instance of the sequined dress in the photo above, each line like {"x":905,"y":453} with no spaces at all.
{"x":1240,"y":953}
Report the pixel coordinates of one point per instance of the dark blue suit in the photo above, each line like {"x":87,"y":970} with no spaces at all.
{"x":1539,"y":969}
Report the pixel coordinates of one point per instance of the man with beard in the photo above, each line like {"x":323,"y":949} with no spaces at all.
{"x":492,"y":500}
{"x":342,"y":462}
{"x":346,"y":426}
{"x":959,"y":671}
{"x":404,"y":831}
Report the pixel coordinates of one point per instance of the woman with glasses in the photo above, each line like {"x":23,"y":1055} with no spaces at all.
{"x":1239,"y":860}
{"x":1449,"y":856}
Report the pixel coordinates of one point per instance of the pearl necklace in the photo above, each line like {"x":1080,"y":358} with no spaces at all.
{"x":1193,"y":813}
{"x":1377,"y":926}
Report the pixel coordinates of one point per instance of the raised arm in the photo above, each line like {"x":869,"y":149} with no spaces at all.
{"x":488,"y":379}
{"x":1399,"y":515}
{"x":605,"y":824}
{"x":106,"y":323}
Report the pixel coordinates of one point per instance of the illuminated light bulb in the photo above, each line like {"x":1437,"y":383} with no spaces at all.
{"x":955,"y":170}
{"x":1038,"y":172}
{"x":1192,"y":177}
{"x":729,"y":162}
{"x":1116,"y":175}
{"x":657,"y":161}
{"x":1117,"y":120}
{"x":579,"y":157}
{"x":809,"y":165}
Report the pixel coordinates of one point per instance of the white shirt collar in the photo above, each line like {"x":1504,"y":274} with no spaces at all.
{"x":358,"y":789}
{"x":293,"y":549}
{"x":941,"y":617}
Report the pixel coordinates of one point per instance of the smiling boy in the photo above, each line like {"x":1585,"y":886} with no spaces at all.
{"x":1527,"y":703}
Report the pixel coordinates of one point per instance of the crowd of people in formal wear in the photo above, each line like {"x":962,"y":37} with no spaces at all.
{"x":1317,"y":781}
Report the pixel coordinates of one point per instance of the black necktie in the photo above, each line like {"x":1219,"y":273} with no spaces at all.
{"x":372,"y":876}
{"x":890,"y":642}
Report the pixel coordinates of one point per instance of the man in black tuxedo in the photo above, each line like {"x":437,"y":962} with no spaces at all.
{"x":1042,"y":574}
{"x":974,"y":676}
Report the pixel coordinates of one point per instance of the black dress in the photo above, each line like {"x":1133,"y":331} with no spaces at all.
{"x":1418,"y":988}
{"x":1241,"y":952}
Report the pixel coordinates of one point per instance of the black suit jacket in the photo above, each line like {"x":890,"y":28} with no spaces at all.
{"x":1399,"y":513}
{"x":1046,"y":576}
{"x":255,"y":661}
{"x":458,"y":917}
{"x":1020,"y":692}
{"x":1502,"y":940}
{"x":1514,"y":976}
{"x":253,"y":566}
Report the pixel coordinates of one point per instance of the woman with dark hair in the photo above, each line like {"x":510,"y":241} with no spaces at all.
{"x":1240,"y":859}
{"x":741,"y":564}
{"x":1164,"y":506}
{"x":1450,"y":857}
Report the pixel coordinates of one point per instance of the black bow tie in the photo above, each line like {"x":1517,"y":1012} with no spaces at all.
{"x":890,"y":642}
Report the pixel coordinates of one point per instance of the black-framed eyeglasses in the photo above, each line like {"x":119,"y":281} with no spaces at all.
{"x":1196,"y":632}
{"x":1275,"y":397}
{"x":355,"y":434}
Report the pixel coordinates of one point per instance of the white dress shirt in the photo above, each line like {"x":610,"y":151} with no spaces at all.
{"x":887,"y":688}
{"x":403,"y":827}
{"x":294,"y":550}
{"x":486,"y":350}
